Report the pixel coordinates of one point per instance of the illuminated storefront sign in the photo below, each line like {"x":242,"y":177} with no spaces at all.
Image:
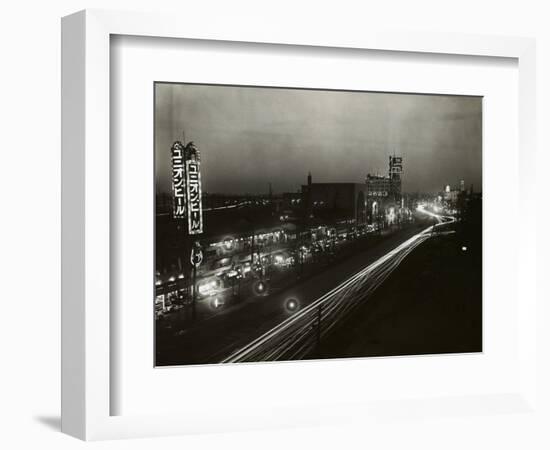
{"x":178,"y":180}
{"x":194,"y":203}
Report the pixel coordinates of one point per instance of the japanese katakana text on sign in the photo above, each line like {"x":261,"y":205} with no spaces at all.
{"x":178,"y":180}
{"x":194,"y":203}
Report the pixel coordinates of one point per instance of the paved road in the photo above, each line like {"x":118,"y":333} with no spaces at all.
{"x":300,"y":336}
{"x":215,"y":338}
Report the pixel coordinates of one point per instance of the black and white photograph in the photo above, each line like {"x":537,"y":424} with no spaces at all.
{"x":306,"y":224}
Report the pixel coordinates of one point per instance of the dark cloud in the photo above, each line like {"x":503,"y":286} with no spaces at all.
{"x":250,"y":137}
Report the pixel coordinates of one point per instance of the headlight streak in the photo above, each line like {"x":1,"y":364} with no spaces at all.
{"x":295,"y":337}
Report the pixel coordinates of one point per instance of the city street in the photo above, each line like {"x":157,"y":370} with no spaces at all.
{"x":274,"y":225}
{"x":216,"y":335}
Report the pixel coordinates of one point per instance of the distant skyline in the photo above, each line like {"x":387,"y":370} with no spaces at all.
{"x":250,"y":137}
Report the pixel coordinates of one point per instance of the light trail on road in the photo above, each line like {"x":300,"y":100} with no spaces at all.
{"x":298,"y":335}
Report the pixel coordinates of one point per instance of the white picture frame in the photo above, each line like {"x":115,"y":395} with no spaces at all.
{"x":86,"y":384}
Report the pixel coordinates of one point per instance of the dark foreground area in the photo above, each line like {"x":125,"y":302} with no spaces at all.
{"x":431,"y":304}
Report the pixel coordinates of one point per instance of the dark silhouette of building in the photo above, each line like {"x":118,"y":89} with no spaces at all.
{"x":335,"y":201}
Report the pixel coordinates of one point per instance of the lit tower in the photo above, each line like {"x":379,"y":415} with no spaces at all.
{"x":395,"y":172}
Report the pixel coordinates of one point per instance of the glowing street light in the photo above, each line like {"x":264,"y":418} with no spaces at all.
{"x":260,"y":288}
{"x":291,"y":305}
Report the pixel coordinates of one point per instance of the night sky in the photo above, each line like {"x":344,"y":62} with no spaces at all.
{"x":250,"y":137}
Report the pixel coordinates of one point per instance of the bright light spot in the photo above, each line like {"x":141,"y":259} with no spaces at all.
{"x":217,"y":303}
{"x":291,"y":305}
{"x":464,"y":248}
{"x":171,"y":279}
{"x":208,"y":288}
{"x":203,"y":288}
{"x":158,"y":282}
{"x":260,"y":288}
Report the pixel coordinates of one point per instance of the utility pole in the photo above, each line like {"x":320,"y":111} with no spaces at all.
{"x":196,"y":260}
{"x":194,"y":307}
{"x":252,"y":247}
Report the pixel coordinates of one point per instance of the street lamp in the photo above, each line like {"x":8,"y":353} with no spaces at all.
{"x":291,"y":305}
{"x":260,"y":288}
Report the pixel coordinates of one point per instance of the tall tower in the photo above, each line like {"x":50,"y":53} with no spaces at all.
{"x":395,"y":172}
{"x":308,"y":207}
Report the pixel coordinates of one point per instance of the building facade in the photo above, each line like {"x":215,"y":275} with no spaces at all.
{"x":384,"y":196}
